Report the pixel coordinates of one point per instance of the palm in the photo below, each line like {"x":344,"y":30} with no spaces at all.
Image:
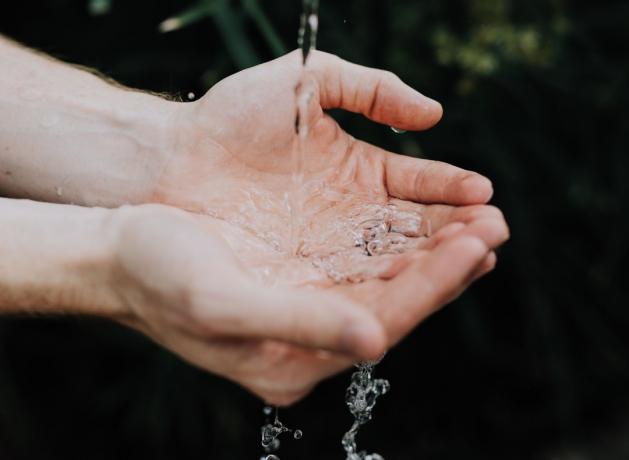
{"x":255,"y":151}
{"x":241,"y":134}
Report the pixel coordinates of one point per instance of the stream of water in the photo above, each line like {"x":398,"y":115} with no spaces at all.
{"x":361,"y":396}
{"x":373,"y":229}
{"x":304,"y":92}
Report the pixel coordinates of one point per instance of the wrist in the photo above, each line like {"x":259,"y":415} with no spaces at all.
{"x":145,"y":127}
{"x":57,"y":260}
{"x":194,"y":164}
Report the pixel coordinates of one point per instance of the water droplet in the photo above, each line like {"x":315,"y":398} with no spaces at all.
{"x":268,"y":410}
{"x":272,"y":457}
{"x":191,"y":96}
{"x":298,"y":434}
{"x":397,"y":130}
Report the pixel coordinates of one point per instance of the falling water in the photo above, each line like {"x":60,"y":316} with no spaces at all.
{"x":361,"y":397}
{"x":308,"y":28}
{"x":304,"y":94}
{"x":271,"y":431}
{"x":373,"y":235}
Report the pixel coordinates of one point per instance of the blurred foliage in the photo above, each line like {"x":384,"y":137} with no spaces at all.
{"x":531,"y":363}
{"x":494,"y":41}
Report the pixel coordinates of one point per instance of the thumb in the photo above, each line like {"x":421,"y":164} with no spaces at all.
{"x":379,"y":95}
{"x":308,"y":319}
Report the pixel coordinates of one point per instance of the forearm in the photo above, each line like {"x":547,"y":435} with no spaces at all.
{"x":57,"y":259}
{"x":68,"y":136}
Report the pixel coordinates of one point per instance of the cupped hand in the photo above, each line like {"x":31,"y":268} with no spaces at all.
{"x":190,"y":292}
{"x":235,"y":156}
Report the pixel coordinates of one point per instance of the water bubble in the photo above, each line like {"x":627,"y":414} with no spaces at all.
{"x":298,"y":434}
{"x":397,"y":130}
{"x":191,"y":96}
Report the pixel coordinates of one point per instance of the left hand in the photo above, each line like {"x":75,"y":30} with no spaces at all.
{"x":235,"y":153}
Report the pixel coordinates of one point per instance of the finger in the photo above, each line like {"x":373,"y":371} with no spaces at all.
{"x":442,"y":235}
{"x":442,"y":215}
{"x":493,"y":232}
{"x":430,"y":181}
{"x":486,"y":266}
{"x":429,"y":283}
{"x":379,"y":95}
{"x":308,"y":319}
{"x":434,"y":218}
{"x":387,"y":266}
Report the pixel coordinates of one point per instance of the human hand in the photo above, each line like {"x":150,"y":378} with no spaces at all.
{"x":188,"y":291}
{"x":235,"y":154}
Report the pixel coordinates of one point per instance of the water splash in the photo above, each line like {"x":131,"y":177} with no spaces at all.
{"x":271,"y":431}
{"x":374,"y":233}
{"x":361,"y":397}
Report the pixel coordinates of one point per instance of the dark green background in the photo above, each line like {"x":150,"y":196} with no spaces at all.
{"x":531,"y":363}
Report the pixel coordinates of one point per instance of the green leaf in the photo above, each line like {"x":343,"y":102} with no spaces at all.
{"x":253,"y":9}
{"x":231,"y":27}
{"x":196,"y":13}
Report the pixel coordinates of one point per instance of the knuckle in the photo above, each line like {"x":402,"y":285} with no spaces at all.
{"x":389,"y":76}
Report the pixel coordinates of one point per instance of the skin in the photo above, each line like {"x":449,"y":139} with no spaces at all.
{"x":189,"y":279}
